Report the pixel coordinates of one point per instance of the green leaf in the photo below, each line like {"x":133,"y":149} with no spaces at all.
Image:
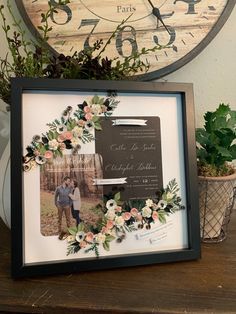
{"x":109,"y":238}
{"x":98,"y":126}
{"x":95,"y":118}
{"x":95,"y":100}
{"x":106,"y":246}
{"x":162,"y":216}
{"x":101,"y":101}
{"x":81,"y":227}
{"x":50,"y":135}
{"x":224,"y":152}
{"x":73,"y":230}
{"x":232,"y":150}
{"x":117,"y":197}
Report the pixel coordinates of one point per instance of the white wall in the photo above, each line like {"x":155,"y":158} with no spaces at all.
{"x":213,"y":71}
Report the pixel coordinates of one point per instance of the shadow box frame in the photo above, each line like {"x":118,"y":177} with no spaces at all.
{"x":131,"y":91}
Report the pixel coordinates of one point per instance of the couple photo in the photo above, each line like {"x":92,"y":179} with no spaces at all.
{"x":68,"y":201}
{"x":67,"y":193}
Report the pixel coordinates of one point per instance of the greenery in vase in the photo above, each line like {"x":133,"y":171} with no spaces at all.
{"x":34,"y":59}
{"x":216,"y":145}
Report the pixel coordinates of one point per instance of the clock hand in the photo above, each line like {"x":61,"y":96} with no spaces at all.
{"x":157,"y":14}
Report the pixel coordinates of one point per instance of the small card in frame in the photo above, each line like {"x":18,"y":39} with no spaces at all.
{"x":103,"y":175}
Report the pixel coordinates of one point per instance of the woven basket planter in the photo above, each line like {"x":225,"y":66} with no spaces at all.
{"x":216,"y":200}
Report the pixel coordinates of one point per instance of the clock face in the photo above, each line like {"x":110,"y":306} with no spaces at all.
{"x":186,"y":26}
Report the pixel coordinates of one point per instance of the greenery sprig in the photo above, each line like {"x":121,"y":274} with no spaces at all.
{"x":35,"y":59}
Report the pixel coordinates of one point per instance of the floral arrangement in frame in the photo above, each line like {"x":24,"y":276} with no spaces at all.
{"x":101,"y":180}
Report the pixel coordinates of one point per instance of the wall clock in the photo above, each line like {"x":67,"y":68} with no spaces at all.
{"x":186,"y":25}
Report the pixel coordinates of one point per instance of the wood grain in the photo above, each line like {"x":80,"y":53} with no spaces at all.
{"x":204,"y":286}
{"x":190,"y":29}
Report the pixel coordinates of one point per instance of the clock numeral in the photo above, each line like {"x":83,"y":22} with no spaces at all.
{"x":120,"y":40}
{"x":62,"y":7}
{"x":88,"y":22}
{"x":191,"y":5}
{"x":172,"y":38}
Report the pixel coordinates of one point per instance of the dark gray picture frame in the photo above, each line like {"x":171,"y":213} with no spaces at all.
{"x":21,"y":85}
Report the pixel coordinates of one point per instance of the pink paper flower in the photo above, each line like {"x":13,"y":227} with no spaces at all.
{"x":104,"y":230}
{"x":118,"y":209}
{"x":36,"y":153}
{"x":81,"y":122}
{"x":139,"y":217}
{"x":89,"y":237}
{"x":60,"y":138}
{"x":68,"y":135}
{"x":134,"y":212}
{"x":88,"y":116}
{"x":126,"y":216}
{"x":155,"y":215}
{"x":48,"y":154}
{"x":82,"y":244}
{"x":87,"y":109}
{"x":62,"y":146}
{"x":110,"y":224}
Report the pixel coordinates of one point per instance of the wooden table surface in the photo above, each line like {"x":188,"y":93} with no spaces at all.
{"x":204,"y":286}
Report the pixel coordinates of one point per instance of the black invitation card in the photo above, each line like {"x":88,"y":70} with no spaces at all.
{"x":131,"y":150}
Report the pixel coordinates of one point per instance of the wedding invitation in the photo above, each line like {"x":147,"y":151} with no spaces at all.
{"x":131,"y":154}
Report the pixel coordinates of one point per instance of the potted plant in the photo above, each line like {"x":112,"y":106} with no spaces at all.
{"x":33,"y":58}
{"x":216,"y":149}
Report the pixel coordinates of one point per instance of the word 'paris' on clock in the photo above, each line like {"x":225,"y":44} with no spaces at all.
{"x":185,"y":27}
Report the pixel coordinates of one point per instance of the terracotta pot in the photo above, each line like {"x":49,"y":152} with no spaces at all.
{"x":216,"y":201}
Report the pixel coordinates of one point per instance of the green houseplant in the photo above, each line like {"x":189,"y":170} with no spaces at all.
{"x":216,"y":149}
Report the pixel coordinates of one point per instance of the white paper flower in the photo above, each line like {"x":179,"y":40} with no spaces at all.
{"x":96,"y":109}
{"x":149,"y":202}
{"x":89,"y":125}
{"x":110,"y":214}
{"x":80,"y":236}
{"x":75,"y":142}
{"x":36,"y":138}
{"x":146,"y":212}
{"x":70,"y":238}
{"x":77,"y":131}
{"x":40,"y":160}
{"x":53,"y":144}
{"x":119,"y":221}
{"x":61,"y":128}
{"x":162,"y":204}
{"x":111,"y":204}
{"x":100,"y":238}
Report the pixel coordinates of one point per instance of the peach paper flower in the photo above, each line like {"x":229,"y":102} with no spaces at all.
{"x":134,"y":212}
{"x":118,"y":209}
{"x":48,"y":154}
{"x":126,"y":216}
{"x":60,"y":138}
{"x":89,"y":237}
{"x":87,"y":109}
{"x":82,"y":244}
{"x":68,"y":135}
{"x":88,"y":116}
{"x":155,"y":215}
{"x":110,"y":224}
{"x":81,"y":122}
